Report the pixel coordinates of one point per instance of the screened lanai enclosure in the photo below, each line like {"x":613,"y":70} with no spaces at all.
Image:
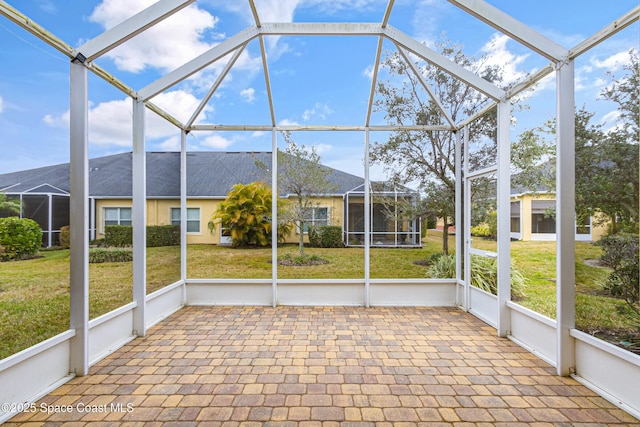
{"x":481,"y":161}
{"x":392,"y":218}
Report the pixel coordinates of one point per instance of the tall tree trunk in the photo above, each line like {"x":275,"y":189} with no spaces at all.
{"x":301,"y":239}
{"x":614,"y":225}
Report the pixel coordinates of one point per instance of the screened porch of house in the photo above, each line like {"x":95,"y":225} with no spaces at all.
{"x":391,"y":226}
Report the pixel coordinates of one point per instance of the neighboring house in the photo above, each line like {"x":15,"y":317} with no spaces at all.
{"x":44,"y":194}
{"x":531,"y":219}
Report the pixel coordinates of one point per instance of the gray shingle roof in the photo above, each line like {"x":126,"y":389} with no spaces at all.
{"x":209,"y":174}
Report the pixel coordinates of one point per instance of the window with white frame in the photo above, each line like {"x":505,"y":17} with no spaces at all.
{"x":193,"y":219}
{"x":117,"y":216}
{"x":315,"y":216}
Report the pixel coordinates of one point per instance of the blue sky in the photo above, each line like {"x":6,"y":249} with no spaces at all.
{"x":315,"y":80}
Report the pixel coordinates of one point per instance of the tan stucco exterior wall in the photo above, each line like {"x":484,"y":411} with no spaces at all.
{"x":336,"y":208}
{"x":597,"y":231}
{"x":159,"y":213}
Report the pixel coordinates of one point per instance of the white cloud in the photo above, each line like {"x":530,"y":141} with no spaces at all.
{"x":248,"y":94}
{"x":613,"y":62}
{"x":181,"y":105}
{"x":110,"y":122}
{"x":171,"y":144}
{"x":497,"y":54}
{"x":1,"y":105}
{"x":322,"y":148}
{"x":216,"y":141}
{"x":287,"y":122}
{"x":166,"y":45}
{"x":368,"y":72}
{"x":321,"y":110}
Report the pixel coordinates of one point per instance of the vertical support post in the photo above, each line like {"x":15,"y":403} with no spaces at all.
{"x":139,"y":220}
{"x":183,"y":213}
{"x":459,"y":239}
{"x":92,"y":218}
{"x":565,"y":217}
{"x":504,"y":217}
{"x":465,"y":231}
{"x":367,"y":220}
{"x":274,"y":216}
{"x":79,"y":219}
{"x":50,"y":220}
{"x":395,"y":214}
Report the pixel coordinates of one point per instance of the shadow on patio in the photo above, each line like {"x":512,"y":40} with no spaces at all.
{"x":322,"y":366}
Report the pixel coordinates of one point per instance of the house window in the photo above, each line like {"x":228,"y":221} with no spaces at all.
{"x":315,"y":216}
{"x":515,"y":217}
{"x":584,"y":226}
{"x":193,"y":219}
{"x":117,"y":216}
{"x":542,"y":220}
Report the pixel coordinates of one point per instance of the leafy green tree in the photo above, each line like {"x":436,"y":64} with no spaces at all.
{"x":9,"y":206}
{"x":427,"y":158}
{"x":606,"y":162}
{"x":246,"y":212}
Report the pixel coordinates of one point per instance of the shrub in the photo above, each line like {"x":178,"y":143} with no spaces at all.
{"x":163,"y":235}
{"x":100,"y":255}
{"x":20,"y":238}
{"x":331,"y":236}
{"x":443,"y":266}
{"x":484,"y":274}
{"x":325,"y":236}
{"x":65,"y":239}
{"x":314,"y":236}
{"x":301,"y":260}
{"x":118,"y":235}
{"x":492,"y":222}
{"x":481,"y":230}
{"x":621,"y":255}
{"x":246,"y":213}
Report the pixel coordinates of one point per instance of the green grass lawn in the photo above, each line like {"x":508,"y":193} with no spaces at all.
{"x":34,"y":294}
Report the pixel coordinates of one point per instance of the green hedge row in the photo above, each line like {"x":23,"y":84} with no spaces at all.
{"x":100,"y":255}
{"x":157,"y":235}
{"x":325,"y":236}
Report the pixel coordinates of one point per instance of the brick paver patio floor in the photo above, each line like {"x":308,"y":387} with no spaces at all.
{"x":333,"y":366}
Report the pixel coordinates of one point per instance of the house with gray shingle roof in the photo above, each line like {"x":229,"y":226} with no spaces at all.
{"x":44,"y":195}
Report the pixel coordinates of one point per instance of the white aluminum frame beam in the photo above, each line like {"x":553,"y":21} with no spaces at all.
{"x":254,"y":12}
{"x":320,"y":128}
{"x":321,"y":29}
{"x":24,"y":22}
{"x":367,"y":221}
{"x":374,"y":81}
{"x":198,"y":63}
{"x":616,"y":26}
{"x":426,"y":86}
{"x":387,"y":13}
{"x":459,"y":221}
{"x":267,"y":80}
{"x":440,"y":61}
{"x":131,"y":27}
{"x":79,"y":219}
{"x":139,"y":218}
{"x":515,"y":29}
{"x":274,"y":217}
{"x":504,"y":217}
{"x":216,"y":85}
{"x":565,"y":218}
